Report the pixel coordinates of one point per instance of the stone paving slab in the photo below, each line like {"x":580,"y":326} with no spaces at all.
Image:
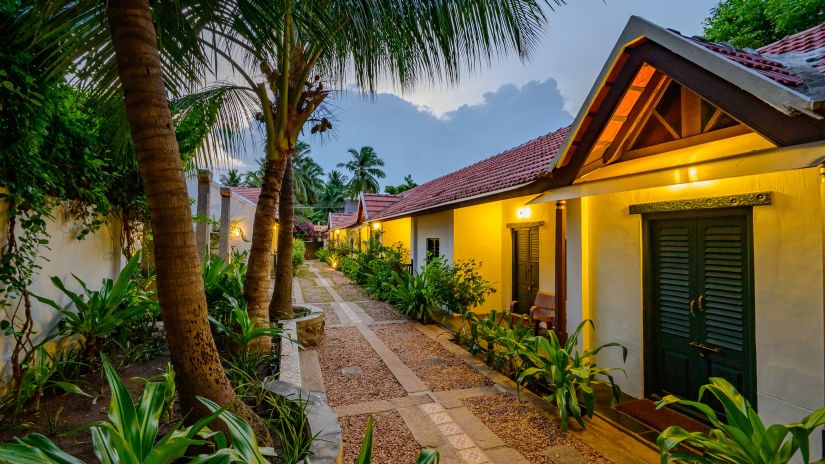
{"x":405,"y":376}
{"x":483,"y":436}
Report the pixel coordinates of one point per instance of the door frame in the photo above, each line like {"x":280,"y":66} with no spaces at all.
{"x":531,"y":227}
{"x":648,"y":332}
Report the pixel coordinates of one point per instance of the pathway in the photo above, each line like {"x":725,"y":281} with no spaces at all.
{"x":422,"y":390}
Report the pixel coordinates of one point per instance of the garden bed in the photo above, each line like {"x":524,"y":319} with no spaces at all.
{"x":437,"y":367}
{"x":353,"y":372}
{"x":527,"y":430}
{"x":393,"y":443}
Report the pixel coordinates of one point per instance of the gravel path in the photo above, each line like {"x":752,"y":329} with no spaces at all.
{"x":437,"y":367}
{"x":392,"y":441}
{"x":380,"y":311}
{"x":316,"y":294}
{"x":330,"y":315}
{"x":351,"y":293}
{"x":308,"y":281}
{"x":366,"y":377}
{"x":524,"y":428}
{"x":335,"y":277}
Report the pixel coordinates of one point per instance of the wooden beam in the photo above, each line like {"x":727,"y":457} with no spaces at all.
{"x":561,"y":270}
{"x":691,"y":113}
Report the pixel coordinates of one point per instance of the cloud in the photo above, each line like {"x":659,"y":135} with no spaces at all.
{"x":412,"y":140}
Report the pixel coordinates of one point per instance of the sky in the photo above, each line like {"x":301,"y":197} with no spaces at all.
{"x":433,"y":130}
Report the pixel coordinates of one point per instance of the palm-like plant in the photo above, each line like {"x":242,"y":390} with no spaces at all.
{"x":232,"y":178}
{"x":307,"y":175}
{"x":365,"y":169}
{"x":738,"y":437}
{"x":335,"y":190}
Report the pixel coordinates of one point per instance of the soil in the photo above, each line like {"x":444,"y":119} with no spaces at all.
{"x":437,"y":367}
{"x":393,"y":443}
{"x":526,"y":429}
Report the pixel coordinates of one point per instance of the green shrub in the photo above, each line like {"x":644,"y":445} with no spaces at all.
{"x":414,"y":295}
{"x":740,"y":436}
{"x":131,"y":433}
{"x":240,"y":332}
{"x":497,"y":338}
{"x":461,"y":287}
{"x":223,"y":280}
{"x":97,"y":314}
{"x":43,"y":373}
{"x":298,"y":252}
{"x":349,"y":266}
{"x":569,"y":373}
{"x":326,"y":255}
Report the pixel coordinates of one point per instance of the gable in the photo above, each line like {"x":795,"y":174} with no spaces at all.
{"x":658,"y":114}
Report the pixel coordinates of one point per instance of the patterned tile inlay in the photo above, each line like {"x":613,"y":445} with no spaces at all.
{"x":450,"y":428}
{"x":461,"y":441}
{"x":431,"y":408}
{"x":441,"y":418}
{"x":473,"y":456}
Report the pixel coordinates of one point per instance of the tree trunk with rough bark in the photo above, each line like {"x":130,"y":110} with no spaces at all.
{"x":259,"y":268}
{"x":280,"y":307}
{"x":180,"y":289}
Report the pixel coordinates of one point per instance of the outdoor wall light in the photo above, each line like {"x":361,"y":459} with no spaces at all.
{"x":235,"y":232}
{"x":523,"y":212}
{"x":376,"y":225}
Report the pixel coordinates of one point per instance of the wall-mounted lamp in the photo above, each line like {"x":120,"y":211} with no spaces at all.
{"x":376,"y":225}
{"x":235,"y":232}
{"x":524,"y":212}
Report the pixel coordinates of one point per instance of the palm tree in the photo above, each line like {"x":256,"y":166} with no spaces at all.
{"x":112,"y":48}
{"x":329,"y":42}
{"x":335,"y":190}
{"x":232,"y":178}
{"x":307,"y":175}
{"x":365,"y":168}
{"x":255,"y":179}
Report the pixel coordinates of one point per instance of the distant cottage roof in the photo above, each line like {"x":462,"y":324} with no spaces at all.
{"x":507,"y":170}
{"x":341,"y":220}
{"x":250,"y":194}
{"x":375,"y":203}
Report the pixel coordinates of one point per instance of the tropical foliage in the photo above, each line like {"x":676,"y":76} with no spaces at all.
{"x":365,"y":170}
{"x":131,"y":434}
{"x":396,"y":189}
{"x":427,"y":455}
{"x":754,"y":23}
{"x":737,"y":433}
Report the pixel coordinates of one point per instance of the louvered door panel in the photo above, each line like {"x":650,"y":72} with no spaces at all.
{"x":672,"y":249}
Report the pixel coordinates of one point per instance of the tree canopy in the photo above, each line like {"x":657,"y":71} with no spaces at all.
{"x":365,"y":168}
{"x":754,"y":23}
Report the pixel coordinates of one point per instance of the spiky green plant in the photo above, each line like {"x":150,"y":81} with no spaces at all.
{"x":739,"y":436}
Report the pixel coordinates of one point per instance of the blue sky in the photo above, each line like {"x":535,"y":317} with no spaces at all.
{"x":433,"y":130}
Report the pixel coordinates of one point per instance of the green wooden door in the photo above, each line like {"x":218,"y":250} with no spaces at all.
{"x":525,"y":267}
{"x":702,"y":304}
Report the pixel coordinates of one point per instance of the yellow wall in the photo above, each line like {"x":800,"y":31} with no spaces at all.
{"x":363,"y":236}
{"x":477,"y":235}
{"x":481,"y":233}
{"x":397,"y":231}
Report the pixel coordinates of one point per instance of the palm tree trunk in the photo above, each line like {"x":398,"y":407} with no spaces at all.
{"x":280,"y":307}
{"x":258,"y":273}
{"x":179,"y":283}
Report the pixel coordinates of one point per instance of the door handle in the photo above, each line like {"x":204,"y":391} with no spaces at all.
{"x":692,"y":305}
{"x":701,"y":301}
{"x":704,"y":349}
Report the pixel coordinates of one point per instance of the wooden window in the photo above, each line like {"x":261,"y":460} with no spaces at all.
{"x":432,"y":248}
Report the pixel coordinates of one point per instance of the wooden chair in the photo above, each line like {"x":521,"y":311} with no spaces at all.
{"x":543,"y":310}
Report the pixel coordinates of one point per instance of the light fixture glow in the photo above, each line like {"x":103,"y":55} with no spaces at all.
{"x":236,"y":232}
{"x":376,"y":225}
{"x":524,"y":212}
{"x":334,"y":264}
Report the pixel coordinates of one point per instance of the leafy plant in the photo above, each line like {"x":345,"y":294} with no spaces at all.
{"x":414,"y":295}
{"x":130,"y":435}
{"x":426,"y":456}
{"x":569,"y":373}
{"x":740,"y":436}
{"x":298,"y":252}
{"x":497,"y":338}
{"x":221,"y":278}
{"x":98,"y":314}
{"x":241,"y":331}
{"x":461,"y":286}
{"x":43,"y":372}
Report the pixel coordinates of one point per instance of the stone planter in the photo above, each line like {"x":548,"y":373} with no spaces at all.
{"x":327,"y":447}
{"x":310,"y":328}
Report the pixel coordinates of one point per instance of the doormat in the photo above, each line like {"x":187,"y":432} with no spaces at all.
{"x":645,"y":411}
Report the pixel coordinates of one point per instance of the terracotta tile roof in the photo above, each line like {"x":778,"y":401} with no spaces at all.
{"x":516,"y":166}
{"x":763,"y":65}
{"x":341,"y":220}
{"x":375,"y":203}
{"x":250,"y":193}
{"x":804,"y":41}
